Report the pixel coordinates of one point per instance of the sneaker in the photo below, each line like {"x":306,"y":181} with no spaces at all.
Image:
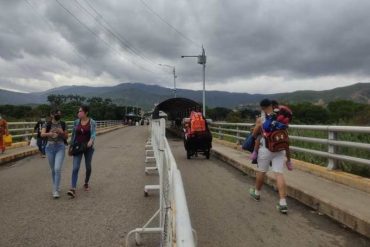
{"x":72,"y":193}
{"x":252,"y":193}
{"x":56,"y":194}
{"x":289,"y":165}
{"x":86,"y":187}
{"x":282,"y":208}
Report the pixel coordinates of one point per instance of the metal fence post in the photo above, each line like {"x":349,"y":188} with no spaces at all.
{"x":26,"y":132}
{"x":220,"y":132}
{"x":237,"y":135}
{"x":332,"y":163}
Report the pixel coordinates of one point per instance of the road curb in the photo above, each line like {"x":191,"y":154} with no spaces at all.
{"x":32,"y":151}
{"x":341,"y":215}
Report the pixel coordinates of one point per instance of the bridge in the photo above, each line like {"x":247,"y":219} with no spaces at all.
{"x":195,"y":202}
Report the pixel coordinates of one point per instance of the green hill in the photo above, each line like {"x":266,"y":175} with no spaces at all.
{"x":147,"y":95}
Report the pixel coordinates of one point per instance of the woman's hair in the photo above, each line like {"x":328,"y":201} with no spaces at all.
{"x":54,"y":112}
{"x":85,"y":108}
{"x":265,"y":103}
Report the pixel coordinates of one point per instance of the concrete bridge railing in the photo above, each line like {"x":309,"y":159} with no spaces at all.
{"x":239,"y":131}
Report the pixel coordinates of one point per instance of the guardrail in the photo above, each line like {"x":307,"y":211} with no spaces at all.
{"x":238,"y":131}
{"x":22,"y":131}
{"x":174,"y":221}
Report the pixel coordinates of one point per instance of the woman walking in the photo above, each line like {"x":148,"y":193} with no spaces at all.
{"x":82,"y":144}
{"x":55,"y":131}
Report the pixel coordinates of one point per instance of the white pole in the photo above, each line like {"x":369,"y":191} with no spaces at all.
{"x":174,"y":80}
{"x":204,"y":81}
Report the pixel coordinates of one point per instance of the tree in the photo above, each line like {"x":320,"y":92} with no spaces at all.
{"x":307,"y":113}
{"x":344,"y":110}
{"x":218,"y":113}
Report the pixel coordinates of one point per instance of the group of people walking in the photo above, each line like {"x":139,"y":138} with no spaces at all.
{"x":55,"y":134}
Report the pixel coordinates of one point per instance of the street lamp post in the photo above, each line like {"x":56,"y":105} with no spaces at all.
{"x":174,"y":77}
{"x":202,"y":59}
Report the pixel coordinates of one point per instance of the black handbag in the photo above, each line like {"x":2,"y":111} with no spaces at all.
{"x":78,"y":148}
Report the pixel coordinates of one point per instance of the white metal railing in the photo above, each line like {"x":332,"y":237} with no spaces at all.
{"x":235,"y":130}
{"x":173,"y":215}
{"x":22,"y":131}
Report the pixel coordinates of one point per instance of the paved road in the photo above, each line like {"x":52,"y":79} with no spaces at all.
{"x":224,"y":215}
{"x":220,"y":209}
{"x":102,"y":217}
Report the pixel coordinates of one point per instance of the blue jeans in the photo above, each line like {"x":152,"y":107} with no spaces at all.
{"x":41,"y":144}
{"x":77,"y":163}
{"x":55,"y":153}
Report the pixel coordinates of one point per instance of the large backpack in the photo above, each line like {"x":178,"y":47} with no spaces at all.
{"x":197,"y":122}
{"x":277,"y":141}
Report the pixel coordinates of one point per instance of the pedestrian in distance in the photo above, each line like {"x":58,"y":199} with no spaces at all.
{"x":41,"y":141}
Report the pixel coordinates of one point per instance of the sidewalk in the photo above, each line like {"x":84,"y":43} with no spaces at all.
{"x":21,"y":150}
{"x":342,"y":203}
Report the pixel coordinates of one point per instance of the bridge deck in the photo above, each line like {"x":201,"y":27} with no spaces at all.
{"x":220,"y":209}
{"x":102,"y":217}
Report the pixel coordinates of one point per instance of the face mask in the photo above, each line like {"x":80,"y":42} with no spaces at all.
{"x":57,"y":117}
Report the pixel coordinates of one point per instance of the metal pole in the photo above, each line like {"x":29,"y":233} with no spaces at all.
{"x":202,"y":59}
{"x":174,"y":81}
{"x":204,"y":89}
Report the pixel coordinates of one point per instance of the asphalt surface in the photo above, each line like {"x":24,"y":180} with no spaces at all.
{"x":223,"y":214}
{"x":217,"y":194}
{"x":29,"y":216}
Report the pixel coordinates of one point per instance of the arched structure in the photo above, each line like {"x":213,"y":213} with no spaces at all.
{"x":176,"y":108}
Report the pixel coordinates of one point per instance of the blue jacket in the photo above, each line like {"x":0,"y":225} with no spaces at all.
{"x":92,"y":130}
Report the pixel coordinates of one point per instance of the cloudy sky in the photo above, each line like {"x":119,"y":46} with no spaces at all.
{"x":255,"y":46}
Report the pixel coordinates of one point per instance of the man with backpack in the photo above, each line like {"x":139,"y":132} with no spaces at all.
{"x":272,"y":150}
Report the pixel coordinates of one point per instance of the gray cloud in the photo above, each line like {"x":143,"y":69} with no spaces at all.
{"x":42,"y":46}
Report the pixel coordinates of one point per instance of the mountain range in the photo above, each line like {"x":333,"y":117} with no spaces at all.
{"x":143,"y":95}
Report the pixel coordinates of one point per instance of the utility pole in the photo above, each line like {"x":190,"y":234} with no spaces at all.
{"x":174,"y":77}
{"x":202,"y":59}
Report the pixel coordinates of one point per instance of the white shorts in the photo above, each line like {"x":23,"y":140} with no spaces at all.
{"x":265,"y":157}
